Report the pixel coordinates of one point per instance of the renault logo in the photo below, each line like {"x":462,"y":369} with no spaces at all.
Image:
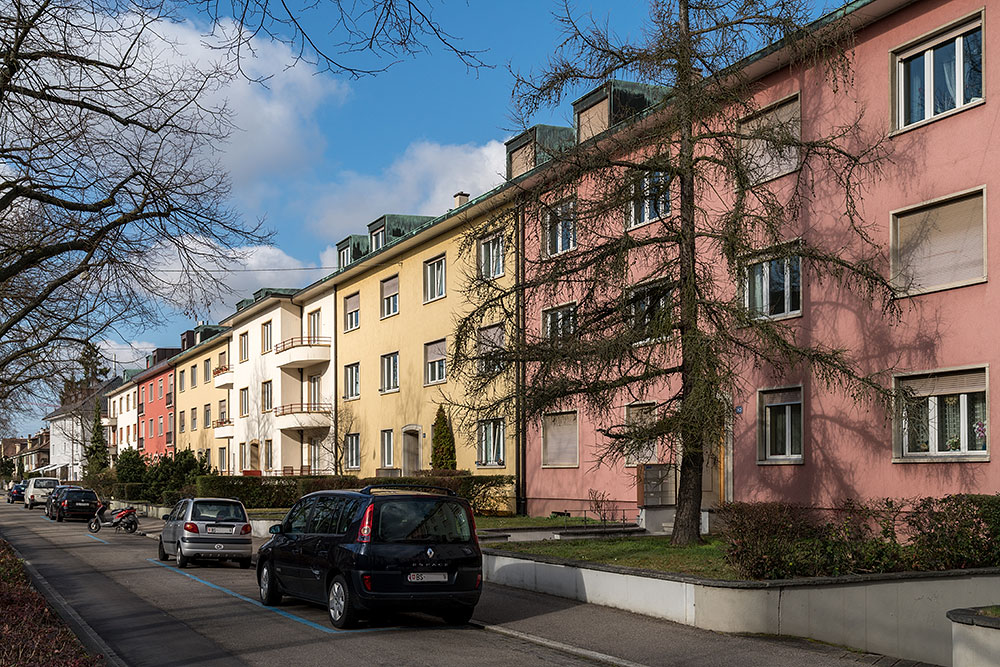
{"x":430,"y":552}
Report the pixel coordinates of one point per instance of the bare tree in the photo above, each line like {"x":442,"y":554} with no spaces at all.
{"x":666,"y":222}
{"x":334,"y":445}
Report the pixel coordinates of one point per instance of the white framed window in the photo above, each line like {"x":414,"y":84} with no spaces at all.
{"x":378,"y":238}
{"x":769,"y":147}
{"x":940,"y":244}
{"x":222,"y":410}
{"x":244,"y":401}
{"x":159,"y":386}
{"x":159,"y":424}
{"x":180,"y":381}
{"x":491,"y":343}
{"x":638,"y":415}
{"x":774,"y":288}
{"x":265,"y":337}
{"x":266,"y":397}
{"x":944,"y":414}
{"x":940,"y":75}
{"x":352,"y":445}
{"x":390,"y":372}
{"x":208,"y":369}
{"x":491,"y":442}
{"x":316,"y":389}
{"x":194,"y":419}
{"x":314,"y":452}
{"x":352,"y":312}
{"x":208,"y":415}
{"x":223,"y":459}
{"x":491,"y":257}
{"x":244,"y":346}
{"x":352,"y":381}
{"x":650,"y":198}
{"x":268,"y":454}
{"x":181,"y":421}
{"x":434,"y":362}
{"x":194,"y":376}
{"x":560,"y":440}
{"x":434,"y":279}
{"x":222,"y":358}
{"x":386,"y":438}
{"x":559,"y":322}
{"x":389,"y":290}
{"x":780,"y":419}
{"x":650,"y":307}
{"x":344,"y":257}
{"x":314,"y":324}
{"x":559,"y":227}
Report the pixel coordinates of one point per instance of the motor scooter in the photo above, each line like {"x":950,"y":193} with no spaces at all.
{"x":123,"y":519}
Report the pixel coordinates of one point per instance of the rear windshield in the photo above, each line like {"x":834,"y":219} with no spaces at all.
{"x":81,"y":495}
{"x":217,"y":510}
{"x":46,"y":483}
{"x":430,"y":520}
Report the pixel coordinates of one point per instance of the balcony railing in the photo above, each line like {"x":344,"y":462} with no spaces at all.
{"x":293,"y":408}
{"x":219,"y":423}
{"x":142,"y":408}
{"x":300,"y":341}
{"x":219,"y":370}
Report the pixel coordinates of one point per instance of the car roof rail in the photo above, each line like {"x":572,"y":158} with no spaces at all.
{"x":414,"y":487}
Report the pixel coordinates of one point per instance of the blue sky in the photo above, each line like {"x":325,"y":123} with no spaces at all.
{"x":319,"y":156}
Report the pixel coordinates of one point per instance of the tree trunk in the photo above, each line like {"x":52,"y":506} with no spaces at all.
{"x":687,"y":518}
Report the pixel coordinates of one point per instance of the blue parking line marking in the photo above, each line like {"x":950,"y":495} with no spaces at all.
{"x":280,"y":612}
{"x":96,"y":538}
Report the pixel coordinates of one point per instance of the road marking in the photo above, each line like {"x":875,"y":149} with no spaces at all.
{"x":257,"y":603}
{"x":96,"y":538}
{"x":559,"y":646}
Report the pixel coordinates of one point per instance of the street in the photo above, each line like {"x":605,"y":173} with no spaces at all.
{"x":152,"y":613}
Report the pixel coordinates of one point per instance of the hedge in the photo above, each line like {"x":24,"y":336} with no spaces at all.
{"x":486,"y":493}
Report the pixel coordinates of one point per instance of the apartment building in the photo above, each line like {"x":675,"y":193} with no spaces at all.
{"x":71,"y":426}
{"x":122,"y":420}
{"x":201,"y":410}
{"x":920,"y":74}
{"x":155,"y":410}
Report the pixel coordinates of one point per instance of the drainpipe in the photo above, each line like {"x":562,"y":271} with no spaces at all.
{"x":520,"y":440}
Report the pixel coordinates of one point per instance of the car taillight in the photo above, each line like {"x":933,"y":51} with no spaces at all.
{"x":479,"y":580}
{"x":366,"y":579}
{"x":32,"y":496}
{"x":365,"y":531}
{"x":64,"y":503}
{"x":190,"y":527}
{"x":245,"y":530}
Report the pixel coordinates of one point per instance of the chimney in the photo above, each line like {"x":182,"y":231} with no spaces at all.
{"x":461,"y":199}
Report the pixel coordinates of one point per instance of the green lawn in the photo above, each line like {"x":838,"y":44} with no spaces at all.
{"x":650,"y":553}
{"x":991,"y":611}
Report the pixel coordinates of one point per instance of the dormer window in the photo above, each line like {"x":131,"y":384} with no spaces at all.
{"x":378,"y":238}
{"x":345,"y":257}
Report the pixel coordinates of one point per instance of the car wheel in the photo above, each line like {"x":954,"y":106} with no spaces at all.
{"x":458,"y":616}
{"x":340,"y":603}
{"x":270,"y":594}
{"x":161,"y":554}
{"x":182,"y":560}
{"x":59,"y":517}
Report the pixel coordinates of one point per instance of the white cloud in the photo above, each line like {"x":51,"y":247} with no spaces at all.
{"x":422,"y":181}
{"x":125,"y":354}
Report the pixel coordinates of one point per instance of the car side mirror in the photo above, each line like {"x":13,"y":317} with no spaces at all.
{"x":165,"y":517}
{"x":275,"y":529}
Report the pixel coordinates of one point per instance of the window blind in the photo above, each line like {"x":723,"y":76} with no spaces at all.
{"x":435,"y":351}
{"x":947,"y":383}
{"x":390,"y":286}
{"x":352,"y":302}
{"x":559,"y":439}
{"x":940,"y":244}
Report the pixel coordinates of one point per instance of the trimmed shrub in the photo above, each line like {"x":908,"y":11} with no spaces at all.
{"x":133,"y":491}
{"x":252,"y":491}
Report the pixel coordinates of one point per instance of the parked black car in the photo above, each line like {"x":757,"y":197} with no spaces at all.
{"x":79,"y":503}
{"x":383,"y":548}
{"x":16,"y":494}
{"x":56,"y":497}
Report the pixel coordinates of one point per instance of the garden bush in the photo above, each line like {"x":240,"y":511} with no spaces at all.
{"x":781,"y":540}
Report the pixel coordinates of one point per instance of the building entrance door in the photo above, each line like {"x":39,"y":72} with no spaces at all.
{"x":411,"y":452}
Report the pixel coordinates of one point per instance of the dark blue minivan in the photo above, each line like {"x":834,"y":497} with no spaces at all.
{"x":384,"y":548}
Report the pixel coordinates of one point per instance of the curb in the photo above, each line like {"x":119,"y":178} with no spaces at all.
{"x":90,"y":639}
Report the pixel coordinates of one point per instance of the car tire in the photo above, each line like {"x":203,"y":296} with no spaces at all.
{"x":59,"y":517}
{"x":182,"y":560}
{"x":161,"y":553}
{"x":270,"y":593}
{"x":459,"y":616}
{"x":340,"y":603}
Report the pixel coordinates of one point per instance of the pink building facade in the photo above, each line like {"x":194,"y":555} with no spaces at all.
{"x":922,"y":73}
{"x":156,"y":404}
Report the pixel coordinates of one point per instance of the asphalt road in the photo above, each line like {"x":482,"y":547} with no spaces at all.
{"x":152,"y":613}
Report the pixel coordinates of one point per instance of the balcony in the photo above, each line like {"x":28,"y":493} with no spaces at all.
{"x":302,"y":351}
{"x":222,"y":377}
{"x":109,"y":421}
{"x":303,"y":415}
{"x":223,"y":428}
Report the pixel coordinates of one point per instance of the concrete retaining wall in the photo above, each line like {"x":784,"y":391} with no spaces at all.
{"x":975,"y":638}
{"x":900,"y":615}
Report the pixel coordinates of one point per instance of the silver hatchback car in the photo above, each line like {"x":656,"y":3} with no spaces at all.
{"x":209,"y":528}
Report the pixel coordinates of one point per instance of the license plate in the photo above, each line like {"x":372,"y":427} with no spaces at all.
{"x":427,"y":576}
{"x":83,"y":504}
{"x":227,"y":530}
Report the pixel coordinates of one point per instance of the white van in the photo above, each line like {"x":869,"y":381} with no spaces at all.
{"x":38,"y":490}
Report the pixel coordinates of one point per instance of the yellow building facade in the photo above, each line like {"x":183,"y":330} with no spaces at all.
{"x":201,"y":411}
{"x":397,"y":308}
